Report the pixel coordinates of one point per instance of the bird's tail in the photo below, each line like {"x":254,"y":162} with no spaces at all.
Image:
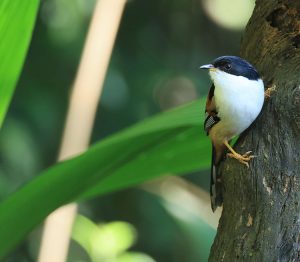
{"x":216,"y":194}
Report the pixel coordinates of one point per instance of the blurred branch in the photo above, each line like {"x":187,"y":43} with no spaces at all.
{"x":186,"y":195}
{"x":83,"y":104}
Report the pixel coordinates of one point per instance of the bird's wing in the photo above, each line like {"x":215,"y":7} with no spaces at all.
{"x":211,"y":114}
{"x":211,"y":119}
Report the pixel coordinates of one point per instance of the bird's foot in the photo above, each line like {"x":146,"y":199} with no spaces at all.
{"x":244,"y":159}
{"x":269,"y":91}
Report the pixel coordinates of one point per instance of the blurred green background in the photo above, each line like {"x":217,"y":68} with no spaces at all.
{"x":154,"y":67}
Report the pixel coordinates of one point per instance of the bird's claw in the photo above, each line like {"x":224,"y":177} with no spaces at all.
{"x":269,"y":91}
{"x":248,"y":156}
{"x":244,"y":159}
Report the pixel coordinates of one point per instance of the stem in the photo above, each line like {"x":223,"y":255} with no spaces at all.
{"x":80,"y":118}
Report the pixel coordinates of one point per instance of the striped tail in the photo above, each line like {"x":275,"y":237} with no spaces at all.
{"x":216,"y":195}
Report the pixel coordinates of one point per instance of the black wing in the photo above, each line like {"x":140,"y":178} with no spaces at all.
{"x":211,"y":114}
{"x":212,"y":118}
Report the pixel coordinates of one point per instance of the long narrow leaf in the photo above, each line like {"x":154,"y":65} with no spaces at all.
{"x":172,"y":142}
{"x":16,"y":24}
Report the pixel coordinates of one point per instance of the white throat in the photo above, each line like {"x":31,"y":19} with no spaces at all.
{"x":238,"y":99}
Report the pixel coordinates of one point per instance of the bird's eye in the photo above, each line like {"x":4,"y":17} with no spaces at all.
{"x":228,"y":66}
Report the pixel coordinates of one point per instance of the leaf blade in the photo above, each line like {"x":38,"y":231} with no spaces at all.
{"x":165,"y":143}
{"x":16,"y":25}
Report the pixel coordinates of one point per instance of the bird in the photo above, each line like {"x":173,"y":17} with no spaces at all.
{"x":234,"y":101}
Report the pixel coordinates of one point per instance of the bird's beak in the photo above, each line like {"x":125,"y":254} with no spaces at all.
{"x":209,"y":66}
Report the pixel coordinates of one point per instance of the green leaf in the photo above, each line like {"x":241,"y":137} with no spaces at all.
{"x":82,"y":232}
{"x":134,"y":257}
{"x":103,"y":242}
{"x":17,"y":19}
{"x":172,"y":142}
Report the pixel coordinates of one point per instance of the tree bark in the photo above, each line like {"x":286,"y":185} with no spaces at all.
{"x":261,"y":211}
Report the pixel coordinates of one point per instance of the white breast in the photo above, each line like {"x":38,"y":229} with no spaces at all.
{"x":238,"y":100}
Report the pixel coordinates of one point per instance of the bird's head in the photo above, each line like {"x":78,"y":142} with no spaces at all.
{"x":232,"y":65}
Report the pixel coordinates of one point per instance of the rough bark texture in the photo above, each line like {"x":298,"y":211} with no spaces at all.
{"x":261,"y":215}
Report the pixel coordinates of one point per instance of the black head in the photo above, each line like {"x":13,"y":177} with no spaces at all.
{"x":235,"y":65}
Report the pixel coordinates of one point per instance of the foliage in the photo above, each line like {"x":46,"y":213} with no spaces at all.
{"x":167,"y":143}
{"x":16,"y":25}
{"x":154,"y":67}
{"x":107,"y":242}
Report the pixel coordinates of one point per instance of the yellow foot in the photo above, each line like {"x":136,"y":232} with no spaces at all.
{"x":269,"y":91}
{"x":244,"y":159}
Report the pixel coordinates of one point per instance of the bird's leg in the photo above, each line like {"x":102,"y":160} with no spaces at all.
{"x":244,"y":159}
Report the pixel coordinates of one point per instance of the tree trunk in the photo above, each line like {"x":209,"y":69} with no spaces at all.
{"x":261,"y":212}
